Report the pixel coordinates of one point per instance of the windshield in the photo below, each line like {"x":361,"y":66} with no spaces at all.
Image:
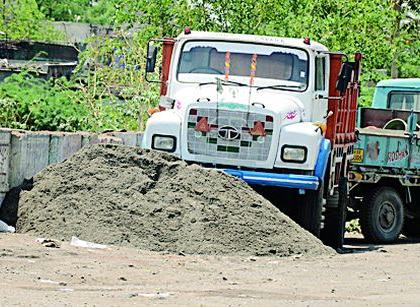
{"x":202,"y":61}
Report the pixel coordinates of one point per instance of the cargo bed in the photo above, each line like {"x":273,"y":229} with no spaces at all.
{"x":387,"y":149}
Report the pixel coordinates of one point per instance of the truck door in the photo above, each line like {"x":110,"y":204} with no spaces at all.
{"x":320,"y":101}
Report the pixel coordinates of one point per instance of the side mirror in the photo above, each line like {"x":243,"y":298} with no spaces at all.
{"x":344,"y":77}
{"x":151,"y":58}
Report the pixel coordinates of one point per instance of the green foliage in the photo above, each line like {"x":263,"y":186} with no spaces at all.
{"x":353,"y":226}
{"x":22,"y":20}
{"x":65,"y":10}
{"x":35,"y":104}
{"x":102,"y":13}
{"x":112,"y":94}
{"x":366,"y":96}
{"x":95,"y":12}
{"x":382,"y":31}
{"x":349,"y":26}
{"x":114,"y":86}
{"x":30,"y":103}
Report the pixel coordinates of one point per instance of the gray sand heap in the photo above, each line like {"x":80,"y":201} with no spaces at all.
{"x":115,"y":194}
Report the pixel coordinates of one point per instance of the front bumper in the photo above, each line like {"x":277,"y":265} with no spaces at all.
{"x":305,"y":182}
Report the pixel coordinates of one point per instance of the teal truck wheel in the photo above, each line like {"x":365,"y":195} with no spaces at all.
{"x":382,"y":216}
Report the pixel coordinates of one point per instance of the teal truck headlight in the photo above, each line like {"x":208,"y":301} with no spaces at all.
{"x":295,"y":154}
{"x":164,"y":142}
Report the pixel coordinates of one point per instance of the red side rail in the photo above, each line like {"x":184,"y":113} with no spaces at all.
{"x":341,"y":126}
{"x":168,"y":47}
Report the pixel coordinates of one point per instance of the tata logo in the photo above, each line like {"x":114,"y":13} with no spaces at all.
{"x":228,"y":133}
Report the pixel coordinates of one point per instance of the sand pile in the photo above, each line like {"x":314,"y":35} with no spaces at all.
{"x":114,"y":194}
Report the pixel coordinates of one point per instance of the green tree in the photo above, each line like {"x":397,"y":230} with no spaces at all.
{"x":64,"y":10}
{"x":94,"y":12}
{"x":368,"y":26}
{"x":385,"y":31}
{"x":405,"y":34}
{"x":23,"y":20}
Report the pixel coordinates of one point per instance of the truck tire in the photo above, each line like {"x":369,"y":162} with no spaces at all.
{"x":309,"y":213}
{"x":335,"y":217}
{"x":382,"y":216}
{"x":411,"y":228}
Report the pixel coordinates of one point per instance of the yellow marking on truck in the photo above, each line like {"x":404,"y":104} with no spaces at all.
{"x":358,"y":155}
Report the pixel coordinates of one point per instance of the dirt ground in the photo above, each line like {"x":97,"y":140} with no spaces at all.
{"x":31,"y":274}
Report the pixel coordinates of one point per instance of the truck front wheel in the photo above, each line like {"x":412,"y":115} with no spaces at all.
{"x":309,"y":214}
{"x":382,"y":216}
{"x":335,"y":217}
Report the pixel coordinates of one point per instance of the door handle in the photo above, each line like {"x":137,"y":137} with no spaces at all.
{"x":320,"y":96}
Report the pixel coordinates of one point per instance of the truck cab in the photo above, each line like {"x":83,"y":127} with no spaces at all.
{"x":210,"y":82}
{"x":258,"y":108}
{"x":397,"y":94}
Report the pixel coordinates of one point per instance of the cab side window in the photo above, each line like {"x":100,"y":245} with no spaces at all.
{"x":320,"y":74}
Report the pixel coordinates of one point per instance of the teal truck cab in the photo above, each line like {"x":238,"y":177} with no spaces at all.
{"x":385,"y":170}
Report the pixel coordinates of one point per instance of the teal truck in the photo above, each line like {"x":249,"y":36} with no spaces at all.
{"x":385,"y":172}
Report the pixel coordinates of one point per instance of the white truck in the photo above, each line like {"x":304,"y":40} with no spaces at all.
{"x":279,"y":113}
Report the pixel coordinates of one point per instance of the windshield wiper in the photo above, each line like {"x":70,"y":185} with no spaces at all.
{"x":206,"y":83}
{"x":224,"y":82}
{"x":233,"y":82}
{"x":278,"y":87}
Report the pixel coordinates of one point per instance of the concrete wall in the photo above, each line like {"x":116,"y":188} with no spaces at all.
{"x":23,"y":153}
{"x":77,"y":32}
{"x":4,"y":163}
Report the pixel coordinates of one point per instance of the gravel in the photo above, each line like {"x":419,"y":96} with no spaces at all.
{"x":114,"y":194}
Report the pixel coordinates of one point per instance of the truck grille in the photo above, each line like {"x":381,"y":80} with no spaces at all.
{"x":229,"y":136}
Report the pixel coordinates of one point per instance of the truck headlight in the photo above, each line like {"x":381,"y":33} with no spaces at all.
{"x":295,"y":154}
{"x":164,"y":142}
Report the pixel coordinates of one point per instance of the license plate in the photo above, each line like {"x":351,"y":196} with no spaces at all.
{"x":358,"y":155}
